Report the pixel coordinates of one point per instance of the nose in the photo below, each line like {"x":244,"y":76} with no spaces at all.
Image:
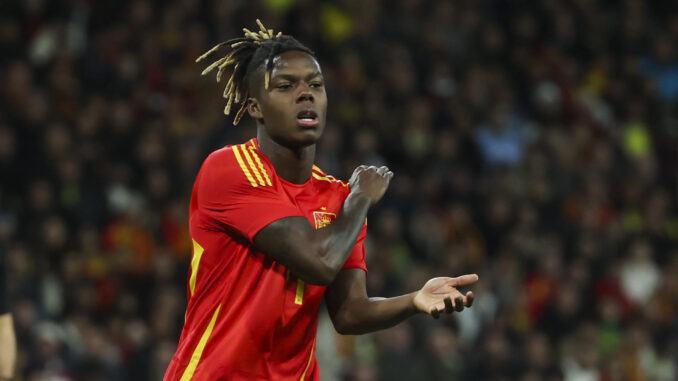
{"x":305,"y":95}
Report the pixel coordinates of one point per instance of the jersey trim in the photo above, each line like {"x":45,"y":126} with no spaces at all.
{"x":299,"y":297}
{"x":251,"y":165}
{"x":319,"y":174}
{"x":310,"y":358}
{"x":195,"y":263}
{"x":197,"y":353}
{"x":257,"y":174}
{"x":260,"y":164}
{"x":329,"y":178}
{"x":243,"y":166}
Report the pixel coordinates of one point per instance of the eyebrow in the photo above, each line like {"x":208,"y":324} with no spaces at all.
{"x":291,"y":77}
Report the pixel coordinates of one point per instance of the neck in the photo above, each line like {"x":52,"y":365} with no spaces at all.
{"x":292,"y":164}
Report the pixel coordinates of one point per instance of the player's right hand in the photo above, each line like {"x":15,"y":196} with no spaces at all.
{"x":370,"y":182}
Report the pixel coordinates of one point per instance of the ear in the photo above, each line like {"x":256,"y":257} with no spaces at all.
{"x":254,"y":108}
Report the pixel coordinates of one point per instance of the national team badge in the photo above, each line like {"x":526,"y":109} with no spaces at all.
{"x":323,"y":219}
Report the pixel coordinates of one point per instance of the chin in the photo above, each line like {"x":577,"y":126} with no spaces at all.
{"x":302,"y":139}
{"x":309,"y":137}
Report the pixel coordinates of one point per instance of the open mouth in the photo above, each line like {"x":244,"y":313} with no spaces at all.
{"x":307,"y":118}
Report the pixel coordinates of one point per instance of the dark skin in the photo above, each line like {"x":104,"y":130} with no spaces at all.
{"x":317,"y":255}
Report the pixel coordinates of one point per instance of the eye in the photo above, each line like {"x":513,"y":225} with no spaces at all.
{"x":316,"y":84}
{"x":284,"y":86}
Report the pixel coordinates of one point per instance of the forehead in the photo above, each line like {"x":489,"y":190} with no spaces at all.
{"x":294,"y":61}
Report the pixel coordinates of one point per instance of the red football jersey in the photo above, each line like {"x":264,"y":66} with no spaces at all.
{"x":248,"y":317}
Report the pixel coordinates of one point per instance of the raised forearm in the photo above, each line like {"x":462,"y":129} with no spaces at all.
{"x":315,"y":255}
{"x":334,"y":243}
{"x":373,"y":314}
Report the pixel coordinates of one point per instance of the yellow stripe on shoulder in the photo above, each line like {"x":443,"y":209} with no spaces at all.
{"x":243,"y":166}
{"x":317,"y":176}
{"x":252,"y":166}
{"x":320,"y":171}
{"x":260,"y":164}
{"x":197,"y":353}
{"x":329,"y":178}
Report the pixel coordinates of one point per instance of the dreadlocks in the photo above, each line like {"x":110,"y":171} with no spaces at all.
{"x":243,"y":56}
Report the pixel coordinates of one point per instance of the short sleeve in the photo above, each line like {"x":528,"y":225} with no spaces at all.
{"x":238,"y":196}
{"x":357,"y":257}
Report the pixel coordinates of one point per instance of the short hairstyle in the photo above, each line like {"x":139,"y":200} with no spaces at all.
{"x":243,"y":56}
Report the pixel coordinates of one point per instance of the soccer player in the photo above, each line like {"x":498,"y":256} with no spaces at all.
{"x":272,"y":233}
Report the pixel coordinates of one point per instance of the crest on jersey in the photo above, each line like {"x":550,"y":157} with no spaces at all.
{"x":323,"y":219}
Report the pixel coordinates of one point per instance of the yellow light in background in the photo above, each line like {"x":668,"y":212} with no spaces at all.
{"x":278,"y":6}
{"x":337,"y":25}
{"x":637,"y":141}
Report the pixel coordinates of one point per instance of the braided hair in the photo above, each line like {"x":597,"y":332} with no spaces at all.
{"x":243,"y":56}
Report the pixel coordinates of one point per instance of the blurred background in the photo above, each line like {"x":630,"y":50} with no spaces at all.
{"x":535,"y":143}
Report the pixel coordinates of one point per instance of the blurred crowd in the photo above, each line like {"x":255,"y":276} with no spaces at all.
{"x":534,"y":143}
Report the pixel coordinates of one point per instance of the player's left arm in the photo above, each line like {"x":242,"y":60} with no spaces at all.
{"x":353,"y":312}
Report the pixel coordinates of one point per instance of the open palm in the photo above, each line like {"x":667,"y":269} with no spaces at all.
{"x":441,"y":295}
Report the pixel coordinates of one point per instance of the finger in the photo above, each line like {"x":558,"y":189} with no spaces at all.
{"x":448,"y":305}
{"x":459,"y":304}
{"x":356,"y":172}
{"x":383,"y":169}
{"x":465,"y":280}
{"x":435,"y":313}
{"x":469,"y":299}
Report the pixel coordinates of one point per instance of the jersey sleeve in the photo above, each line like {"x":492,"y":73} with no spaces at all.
{"x":357,"y":257}
{"x":238,"y":196}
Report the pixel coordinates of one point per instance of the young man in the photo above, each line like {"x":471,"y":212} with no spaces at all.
{"x":273,"y":234}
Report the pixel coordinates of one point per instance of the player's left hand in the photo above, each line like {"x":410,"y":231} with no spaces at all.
{"x":440,"y":295}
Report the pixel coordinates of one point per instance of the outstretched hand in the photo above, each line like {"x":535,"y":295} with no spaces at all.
{"x":441,"y":295}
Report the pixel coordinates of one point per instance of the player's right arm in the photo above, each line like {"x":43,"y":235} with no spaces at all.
{"x":317,"y":255}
